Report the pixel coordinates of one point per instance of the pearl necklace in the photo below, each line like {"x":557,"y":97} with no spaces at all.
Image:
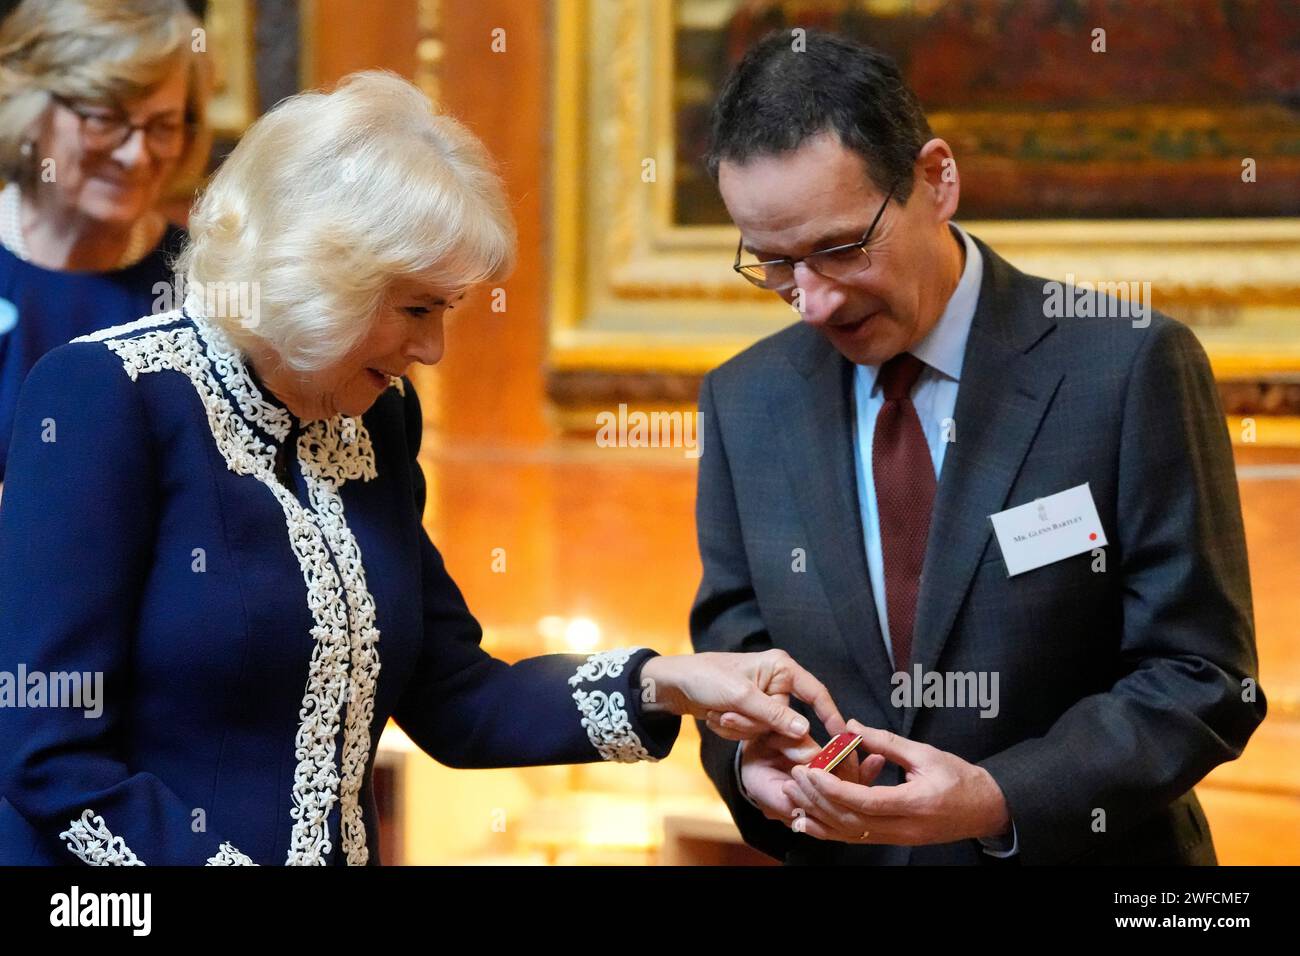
{"x":11,"y":230}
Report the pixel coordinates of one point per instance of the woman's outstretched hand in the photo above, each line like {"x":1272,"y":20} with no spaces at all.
{"x":739,"y":696}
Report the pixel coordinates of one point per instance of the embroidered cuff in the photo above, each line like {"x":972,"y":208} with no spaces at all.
{"x":609,"y":711}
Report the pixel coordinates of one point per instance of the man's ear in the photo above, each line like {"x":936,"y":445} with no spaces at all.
{"x":937,"y":179}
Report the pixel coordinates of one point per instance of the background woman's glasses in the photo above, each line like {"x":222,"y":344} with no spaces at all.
{"x":104,"y":129}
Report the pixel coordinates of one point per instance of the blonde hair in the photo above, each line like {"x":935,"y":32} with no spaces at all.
{"x":98,"y":50}
{"x":327,"y":200}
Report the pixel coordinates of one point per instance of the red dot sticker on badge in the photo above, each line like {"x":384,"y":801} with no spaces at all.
{"x":1093,"y":536}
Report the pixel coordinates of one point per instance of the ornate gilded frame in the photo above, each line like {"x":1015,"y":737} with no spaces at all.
{"x":229,"y":25}
{"x":632,"y":292}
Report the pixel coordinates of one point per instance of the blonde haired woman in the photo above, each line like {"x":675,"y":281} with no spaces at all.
{"x":226,"y":526}
{"x":102,"y":107}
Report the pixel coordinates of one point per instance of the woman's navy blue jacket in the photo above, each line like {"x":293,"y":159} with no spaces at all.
{"x":253,"y":627}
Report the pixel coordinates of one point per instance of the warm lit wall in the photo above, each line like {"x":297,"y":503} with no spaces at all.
{"x":490,"y":383}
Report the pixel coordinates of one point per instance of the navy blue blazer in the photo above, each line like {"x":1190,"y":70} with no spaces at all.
{"x":254,"y":626}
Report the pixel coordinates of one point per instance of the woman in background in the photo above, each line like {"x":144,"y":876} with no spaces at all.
{"x":102,"y":108}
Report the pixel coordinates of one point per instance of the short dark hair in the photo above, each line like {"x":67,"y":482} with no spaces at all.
{"x":778,"y":97}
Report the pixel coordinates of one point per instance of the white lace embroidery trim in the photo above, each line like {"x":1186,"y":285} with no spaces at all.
{"x":90,"y":839}
{"x":227,"y":855}
{"x":604,"y":716}
{"x":344,"y":666}
{"x":127,"y":328}
{"x":272,"y":419}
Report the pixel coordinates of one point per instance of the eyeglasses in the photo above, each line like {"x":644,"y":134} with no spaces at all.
{"x":103,"y":132}
{"x":836,"y":263}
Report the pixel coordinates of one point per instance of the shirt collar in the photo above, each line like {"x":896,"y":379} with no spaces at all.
{"x":944,"y":348}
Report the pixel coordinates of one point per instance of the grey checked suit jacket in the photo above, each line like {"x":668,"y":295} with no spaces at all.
{"x":1119,"y":689}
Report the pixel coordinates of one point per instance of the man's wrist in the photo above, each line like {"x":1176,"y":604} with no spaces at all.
{"x":1001,"y":828}
{"x":1003,"y":834}
{"x":738,"y":766}
{"x":1002,"y":841}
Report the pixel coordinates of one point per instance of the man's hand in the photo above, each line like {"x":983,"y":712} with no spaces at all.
{"x":944,"y":798}
{"x":739,"y":696}
{"x":765,"y":766}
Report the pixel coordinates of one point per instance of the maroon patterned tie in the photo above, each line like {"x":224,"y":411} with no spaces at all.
{"x":904,"y":475}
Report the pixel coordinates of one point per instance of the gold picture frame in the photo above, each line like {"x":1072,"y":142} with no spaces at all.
{"x":633,"y":292}
{"x":233,"y":107}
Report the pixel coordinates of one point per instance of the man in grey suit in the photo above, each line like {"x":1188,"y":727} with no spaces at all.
{"x":1043,"y":695}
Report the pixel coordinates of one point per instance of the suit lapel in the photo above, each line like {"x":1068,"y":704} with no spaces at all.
{"x":1001,"y":401}
{"x":812,"y":411}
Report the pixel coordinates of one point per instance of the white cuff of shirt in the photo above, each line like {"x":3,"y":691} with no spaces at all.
{"x":997,"y":846}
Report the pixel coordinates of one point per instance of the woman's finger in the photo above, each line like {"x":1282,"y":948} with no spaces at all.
{"x":791,"y":677}
{"x":726,"y":733}
{"x":771,"y":712}
{"x":743,"y":725}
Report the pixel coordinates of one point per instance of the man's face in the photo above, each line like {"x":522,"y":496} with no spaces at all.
{"x":820,"y":195}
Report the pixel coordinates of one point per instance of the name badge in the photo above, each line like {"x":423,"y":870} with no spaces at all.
{"x":1048,"y":529}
